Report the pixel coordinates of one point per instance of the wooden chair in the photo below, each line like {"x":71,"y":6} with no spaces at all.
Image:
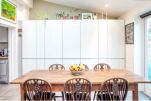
{"x":101,"y":66}
{"x":57,"y":67}
{"x":114,"y":89}
{"x":37,"y":89}
{"x":77,"y":89}
{"x":86,"y":68}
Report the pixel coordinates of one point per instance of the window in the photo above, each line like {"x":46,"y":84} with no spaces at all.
{"x":148,"y":48}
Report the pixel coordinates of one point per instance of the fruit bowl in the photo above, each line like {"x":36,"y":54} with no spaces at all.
{"x":76,"y":69}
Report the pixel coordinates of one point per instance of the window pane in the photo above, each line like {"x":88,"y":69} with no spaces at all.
{"x":148,"y":49}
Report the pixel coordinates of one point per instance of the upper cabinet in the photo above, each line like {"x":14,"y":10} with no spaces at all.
{"x":89,"y":38}
{"x":40,"y":38}
{"x":33,"y":39}
{"x":71,"y":39}
{"x":116,"y":39}
{"x":103,"y":39}
{"x":29,"y":39}
{"x":53,"y":39}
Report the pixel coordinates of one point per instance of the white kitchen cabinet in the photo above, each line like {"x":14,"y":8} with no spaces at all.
{"x":40,"y":38}
{"x":103,"y":39}
{"x":28,"y":65}
{"x":71,"y":39}
{"x":29,"y":39}
{"x":114,"y":63}
{"x":40,"y":64}
{"x":44,"y":42}
{"x":116,"y":39}
{"x":90,"y":62}
{"x":117,"y":63}
{"x":68,"y":62}
{"x":89,"y":38}
{"x":53,"y":39}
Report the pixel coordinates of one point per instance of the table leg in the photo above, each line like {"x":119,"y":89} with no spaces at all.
{"x":135,"y":92}
{"x":22,"y":92}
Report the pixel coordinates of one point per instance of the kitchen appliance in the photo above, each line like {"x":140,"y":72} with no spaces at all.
{"x":4,"y":52}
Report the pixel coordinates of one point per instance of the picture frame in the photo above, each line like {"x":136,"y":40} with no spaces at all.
{"x":129,"y":33}
{"x":87,"y":16}
{"x":8,"y":11}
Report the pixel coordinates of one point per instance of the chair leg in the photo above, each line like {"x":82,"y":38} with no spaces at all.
{"x":94,"y":95}
{"x":62,"y":96}
{"x":54,"y":98}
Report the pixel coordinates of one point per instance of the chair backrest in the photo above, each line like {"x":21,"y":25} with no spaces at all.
{"x":114,"y":89}
{"x":101,"y":66}
{"x":37,"y":89}
{"x":56,"y":67}
{"x":86,"y":68}
{"x":77,"y":89}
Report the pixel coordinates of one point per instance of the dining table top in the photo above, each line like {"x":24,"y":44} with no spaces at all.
{"x":95,"y":77}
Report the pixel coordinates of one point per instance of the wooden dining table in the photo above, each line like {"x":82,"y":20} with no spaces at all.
{"x":58,"y":78}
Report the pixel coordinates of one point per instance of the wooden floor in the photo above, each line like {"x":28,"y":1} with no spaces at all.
{"x":11,"y":92}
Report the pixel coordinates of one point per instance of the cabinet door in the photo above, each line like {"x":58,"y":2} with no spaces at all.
{"x":90,"y":62}
{"x":71,"y":39}
{"x":116,"y":39}
{"x":40,"y":38}
{"x":114,"y":63}
{"x":68,"y":62}
{"x":103,"y":39}
{"x":89,"y":39}
{"x":40,"y":64}
{"x":53,"y":39}
{"x":117,"y":63}
{"x":28,"y":65}
{"x":3,"y":67}
{"x":29,"y":40}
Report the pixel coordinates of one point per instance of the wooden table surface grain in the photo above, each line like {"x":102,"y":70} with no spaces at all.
{"x":59,"y":77}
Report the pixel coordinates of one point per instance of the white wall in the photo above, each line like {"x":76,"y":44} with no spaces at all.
{"x":13,"y":39}
{"x":135,"y":53}
{"x":22,"y":10}
{"x":27,"y":3}
{"x":43,"y":9}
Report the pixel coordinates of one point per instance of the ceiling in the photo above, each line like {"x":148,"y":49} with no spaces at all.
{"x":115,"y":7}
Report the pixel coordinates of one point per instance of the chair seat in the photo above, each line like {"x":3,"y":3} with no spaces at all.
{"x":77,"y":97}
{"x":106,"y":96}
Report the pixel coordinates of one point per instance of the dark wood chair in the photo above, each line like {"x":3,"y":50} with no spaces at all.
{"x":101,"y":66}
{"x":57,"y":67}
{"x":37,"y":89}
{"x":77,"y":89}
{"x":98,"y":67}
{"x":86,"y":68}
{"x":114,"y":89}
